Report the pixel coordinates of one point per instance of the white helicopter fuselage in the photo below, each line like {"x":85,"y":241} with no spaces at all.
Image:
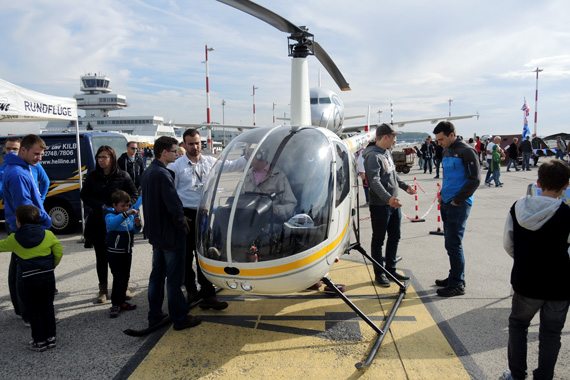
{"x":243,"y":246}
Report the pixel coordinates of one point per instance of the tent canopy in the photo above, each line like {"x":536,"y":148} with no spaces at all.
{"x":20,"y":104}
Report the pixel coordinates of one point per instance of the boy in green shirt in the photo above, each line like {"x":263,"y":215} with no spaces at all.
{"x":39,"y":252}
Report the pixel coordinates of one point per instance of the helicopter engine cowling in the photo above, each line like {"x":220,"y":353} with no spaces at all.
{"x":276,"y":210}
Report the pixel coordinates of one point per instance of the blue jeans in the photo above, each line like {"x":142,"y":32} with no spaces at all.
{"x":489,"y":161}
{"x":454,"y":220}
{"x":168,"y":265}
{"x":514,"y":162}
{"x":560,"y":154}
{"x":552,"y":318}
{"x":436,"y":163}
{"x":385,"y":220}
{"x":526,"y":160}
{"x":495,"y":176}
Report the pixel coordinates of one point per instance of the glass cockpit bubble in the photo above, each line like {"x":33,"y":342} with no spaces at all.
{"x":268,"y":197}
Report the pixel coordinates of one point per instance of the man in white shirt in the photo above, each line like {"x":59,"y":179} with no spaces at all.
{"x":191,"y":171}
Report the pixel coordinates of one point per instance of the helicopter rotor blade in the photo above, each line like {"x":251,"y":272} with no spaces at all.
{"x":331,"y":67}
{"x":266,"y":15}
{"x":297,"y":33}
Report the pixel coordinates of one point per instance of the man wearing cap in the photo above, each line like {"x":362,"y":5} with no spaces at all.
{"x":385,"y":213}
{"x":460,"y":180}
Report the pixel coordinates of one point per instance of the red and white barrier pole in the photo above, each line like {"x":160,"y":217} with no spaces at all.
{"x":439,"y":230}
{"x":417,"y":218}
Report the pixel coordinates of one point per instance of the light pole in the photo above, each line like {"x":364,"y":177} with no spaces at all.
{"x":450,"y":100}
{"x":379,"y":112}
{"x":254,"y":88}
{"x":224,"y":119}
{"x":536,"y":100}
{"x":274,"y":104}
{"x":208,"y":120}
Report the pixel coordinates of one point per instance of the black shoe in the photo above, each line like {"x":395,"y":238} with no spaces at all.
{"x":441,"y":282}
{"x":528,"y":170}
{"x":508,"y":170}
{"x":213,"y":303}
{"x":436,"y":176}
{"x":190,"y":322}
{"x":451,"y":291}
{"x":399,"y":277}
{"x":383,"y":280}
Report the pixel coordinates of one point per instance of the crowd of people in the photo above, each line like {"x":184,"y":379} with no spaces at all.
{"x":169,"y":191}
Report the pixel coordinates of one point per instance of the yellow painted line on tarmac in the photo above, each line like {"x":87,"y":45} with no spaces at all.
{"x":299,"y":336}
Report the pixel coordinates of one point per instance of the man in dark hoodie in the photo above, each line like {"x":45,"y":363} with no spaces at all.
{"x":460,"y":180}
{"x":20,"y":189}
{"x":39,"y":252}
{"x":385,"y":213}
{"x":132,"y":163}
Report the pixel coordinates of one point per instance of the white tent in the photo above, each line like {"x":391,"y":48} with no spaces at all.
{"x":21,"y":104}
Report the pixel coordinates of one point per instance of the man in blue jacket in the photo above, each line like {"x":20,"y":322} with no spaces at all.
{"x":166,"y":228}
{"x":20,"y":189}
{"x":460,"y":180}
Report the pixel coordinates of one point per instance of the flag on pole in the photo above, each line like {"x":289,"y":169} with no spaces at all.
{"x":526,"y":129}
{"x":525,"y":108}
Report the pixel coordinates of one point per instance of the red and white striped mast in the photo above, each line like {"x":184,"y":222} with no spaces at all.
{"x":536,"y":100}
{"x":208,"y":120}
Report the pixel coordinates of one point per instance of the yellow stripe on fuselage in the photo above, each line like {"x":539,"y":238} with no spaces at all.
{"x":280,"y":268}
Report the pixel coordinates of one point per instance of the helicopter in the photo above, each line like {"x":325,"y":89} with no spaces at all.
{"x":283,"y":233}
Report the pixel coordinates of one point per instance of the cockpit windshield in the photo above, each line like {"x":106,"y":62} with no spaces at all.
{"x":276,"y":205}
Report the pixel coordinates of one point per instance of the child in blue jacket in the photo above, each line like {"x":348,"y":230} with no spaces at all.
{"x":122,"y":223}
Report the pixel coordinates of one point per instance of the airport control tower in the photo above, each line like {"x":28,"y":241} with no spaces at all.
{"x":97,"y":98}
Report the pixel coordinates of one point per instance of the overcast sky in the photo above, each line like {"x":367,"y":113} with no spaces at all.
{"x":417,"y":53}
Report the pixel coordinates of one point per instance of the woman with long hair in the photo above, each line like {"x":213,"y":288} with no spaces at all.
{"x":96,"y":192}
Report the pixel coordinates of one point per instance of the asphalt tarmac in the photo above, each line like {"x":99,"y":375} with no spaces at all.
{"x":473,"y":326}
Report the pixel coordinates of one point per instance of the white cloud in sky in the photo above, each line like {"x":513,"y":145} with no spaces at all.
{"x":418,"y":54}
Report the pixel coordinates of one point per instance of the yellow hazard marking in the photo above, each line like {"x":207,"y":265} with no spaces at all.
{"x":267,"y":346}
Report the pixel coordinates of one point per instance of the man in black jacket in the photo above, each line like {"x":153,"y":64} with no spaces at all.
{"x":166,"y":228}
{"x":513,"y":155}
{"x":132,"y":163}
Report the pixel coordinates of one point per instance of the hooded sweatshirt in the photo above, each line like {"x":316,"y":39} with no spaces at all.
{"x":381,"y":175}
{"x":537,"y":236}
{"x":21,"y":189}
{"x":38,"y":250}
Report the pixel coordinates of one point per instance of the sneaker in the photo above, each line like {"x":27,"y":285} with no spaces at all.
{"x":190,"y":322}
{"x":383,"y":280}
{"x":26,"y":323}
{"x":114,"y":312}
{"x":442,"y":283}
{"x":127,"y":307}
{"x":128,"y":295}
{"x":399,"y":277}
{"x":488,"y":184}
{"x":451,"y":291}
{"x":506,"y":376}
{"x":37,"y":346}
{"x":51,"y":342}
{"x":213,"y":303}
{"x":500,"y":184}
